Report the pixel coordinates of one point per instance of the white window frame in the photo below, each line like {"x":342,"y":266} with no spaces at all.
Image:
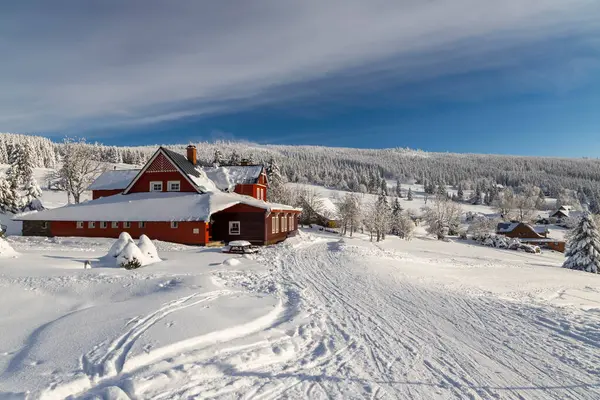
{"x":284,"y":223}
{"x":232,"y":224}
{"x":276,"y":223}
{"x":142,"y":224}
{"x":174,"y":224}
{"x":114,"y":224}
{"x":103,"y":224}
{"x":79,"y":224}
{"x":196,"y":231}
{"x":152,"y":183}
{"x":91,"y":224}
{"x":170,"y":188}
{"x":291,"y":222}
{"x":126,"y":224}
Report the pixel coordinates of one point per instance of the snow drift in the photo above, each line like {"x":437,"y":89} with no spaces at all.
{"x":6,"y":250}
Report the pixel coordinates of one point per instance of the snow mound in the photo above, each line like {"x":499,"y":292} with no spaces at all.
{"x":130,"y":253}
{"x":125,"y":250}
{"x":6,"y":250}
{"x":118,"y":246}
{"x":232,"y":262}
{"x":148,"y":248}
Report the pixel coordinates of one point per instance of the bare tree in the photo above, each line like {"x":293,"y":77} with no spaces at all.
{"x":312,"y":205}
{"x":442,"y":217}
{"x":349,"y":213}
{"x":505,"y":203}
{"x":79,"y":168}
{"x":524,"y":207}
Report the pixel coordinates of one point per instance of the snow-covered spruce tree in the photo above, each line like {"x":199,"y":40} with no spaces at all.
{"x":10,"y":200}
{"x":234,"y":159}
{"x":33,"y":193}
{"x":583,"y":250}
{"x":218,"y":158}
{"x":398,"y":188}
{"x":409,"y":195}
{"x":396,"y":214}
{"x":460,"y":193}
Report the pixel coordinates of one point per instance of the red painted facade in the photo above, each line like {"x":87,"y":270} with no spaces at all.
{"x":279,"y":234}
{"x":96,"y":194}
{"x":161,"y":170}
{"x":183,"y":233}
{"x":253,"y":190}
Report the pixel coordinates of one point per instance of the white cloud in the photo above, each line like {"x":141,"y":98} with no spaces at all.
{"x":65,"y":63}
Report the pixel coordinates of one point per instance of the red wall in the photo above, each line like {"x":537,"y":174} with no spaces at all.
{"x":96,"y":194}
{"x":278,"y":237}
{"x":143,"y":184}
{"x":154,"y":230}
{"x":250,"y":190}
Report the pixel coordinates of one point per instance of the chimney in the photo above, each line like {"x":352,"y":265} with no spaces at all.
{"x":191,"y":154}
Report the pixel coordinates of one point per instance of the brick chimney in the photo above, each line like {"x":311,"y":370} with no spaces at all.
{"x":191,"y":154}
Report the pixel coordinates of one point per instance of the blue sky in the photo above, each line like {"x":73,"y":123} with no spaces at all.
{"x":481,"y":76}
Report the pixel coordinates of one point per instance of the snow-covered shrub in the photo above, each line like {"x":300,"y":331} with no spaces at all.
{"x":463,"y":235}
{"x":130,"y":256}
{"x":148,"y":248}
{"x":6,"y":250}
{"x":118,"y":246}
{"x":132,"y":264}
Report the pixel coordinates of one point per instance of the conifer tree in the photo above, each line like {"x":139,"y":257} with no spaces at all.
{"x":460,"y":193}
{"x":398,"y":188}
{"x":409,"y":195}
{"x":218,"y":159}
{"x":583,"y":250}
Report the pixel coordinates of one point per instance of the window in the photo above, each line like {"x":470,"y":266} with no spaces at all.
{"x":126,"y":224}
{"x":273,"y":223}
{"x":276,"y":223}
{"x":196,"y":231}
{"x":156,"y":186}
{"x":114,"y":224}
{"x":141,"y":224}
{"x":173,"y":186}
{"x":91,"y":224}
{"x":79,"y":224}
{"x":283,"y":223}
{"x":234,"y":227}
{"x":174,"y":224}
{"x":259,"y":193}
{"x":44,"y":225}
{"x":291,"y":222}
{"x":103,"y":225}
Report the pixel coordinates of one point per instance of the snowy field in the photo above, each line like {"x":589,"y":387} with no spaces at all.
{"x":315,"y":318}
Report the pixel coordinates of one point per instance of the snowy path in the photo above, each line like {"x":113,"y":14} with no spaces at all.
{"x":388,"y":338}
{"x":350,"y":323}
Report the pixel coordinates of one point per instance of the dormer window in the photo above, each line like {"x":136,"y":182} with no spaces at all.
{"x":156,"y":186}
{"x":173,"y":186}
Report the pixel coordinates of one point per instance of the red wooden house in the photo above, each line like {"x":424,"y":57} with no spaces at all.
{"x":173,"y":199}
{"x":535,"y":235}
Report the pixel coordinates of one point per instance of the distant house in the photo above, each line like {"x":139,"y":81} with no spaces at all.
{"x":562,"y":212}
{"x":173,"y":199}
{"x":535,"y":235}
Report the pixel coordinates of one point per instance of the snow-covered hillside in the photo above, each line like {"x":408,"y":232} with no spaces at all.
{"x":315,"y":317}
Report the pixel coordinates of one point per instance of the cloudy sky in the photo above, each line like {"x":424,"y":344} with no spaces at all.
{"x":508,"y":76}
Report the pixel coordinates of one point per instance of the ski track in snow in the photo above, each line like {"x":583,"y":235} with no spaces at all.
{"x":350,"y":328}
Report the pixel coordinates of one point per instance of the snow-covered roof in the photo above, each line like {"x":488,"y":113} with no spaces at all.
{"x":152,"y":206}
{"x":507,"y":227}
{"x":227,"y":177}
{"x":114,"y":179}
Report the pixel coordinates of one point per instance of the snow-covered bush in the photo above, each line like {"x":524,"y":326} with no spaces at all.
{"x":6,"y":250}
{"x":503,"y":242}
{"x":583,"y":250}
{"x":131,"y":257}
{"x":148,"y":248}
{"x":118,"y":246}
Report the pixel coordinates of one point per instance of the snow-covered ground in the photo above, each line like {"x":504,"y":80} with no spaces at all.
{"x":315,"y":317}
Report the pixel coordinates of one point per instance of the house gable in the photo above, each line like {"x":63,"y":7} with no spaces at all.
{"x":519,"y":230}
{"x":161,"y":168}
